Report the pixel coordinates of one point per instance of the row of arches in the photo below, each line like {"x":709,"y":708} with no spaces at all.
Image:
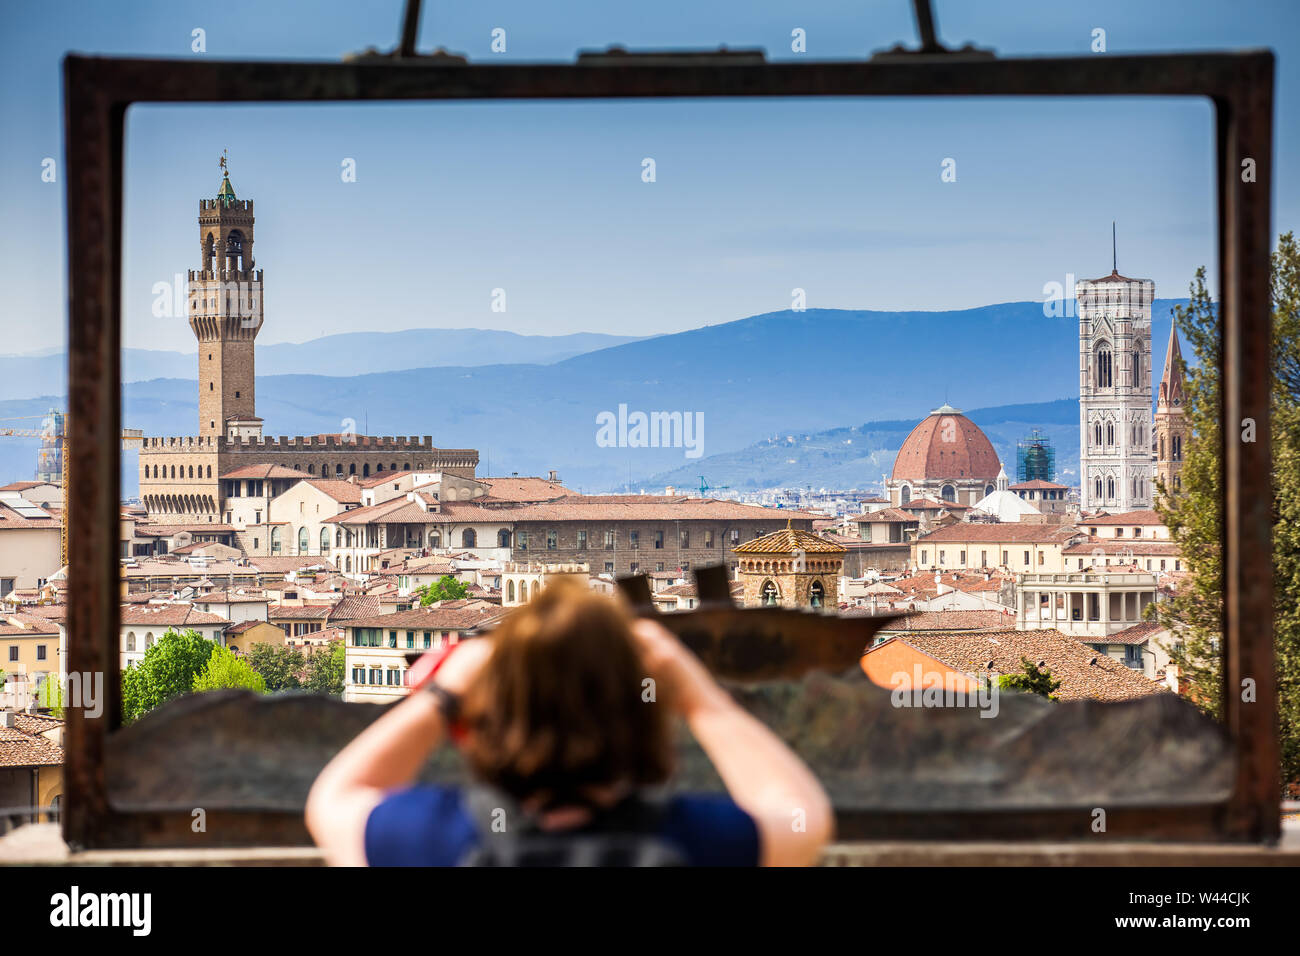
{"x":131,"y":641}
{"x":770,"y":594}
{"x":180,"y":504}
{"x":338,"y":471}
{"x":788,"y":567}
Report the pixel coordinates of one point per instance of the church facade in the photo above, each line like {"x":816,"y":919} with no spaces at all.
{"x":180,"y":477}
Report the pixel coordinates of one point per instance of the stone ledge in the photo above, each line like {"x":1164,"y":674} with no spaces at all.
{"x":42,"y":844}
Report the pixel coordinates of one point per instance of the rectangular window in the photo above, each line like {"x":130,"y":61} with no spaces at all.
{"x":552,"y":540}
{"x":1119,"y":532}
{"x":410,"y":639}
{"x":1041,"y":559}
{"x":40,"y":652}
{"x":609,"y":540}
{"x":376,"y":675}
{"x":358,"y":675}
{"x":635,"y":567}
{"x":1026,"y":559}
{"x":941,"y":557}
{"x":659,"y":565}
{"x":609,"y":567}
{"x":683,"y":539}
{"x":735,"y":537}
{"x":522,"y":540}
{"x":708,"y":537}
{"x":659,"y":540}
{"x":984,"y":559}
{"x":962,"y":558}
{"x":1005,"y":562}
{"x":582,"y":541}
{"x":924,"y":556}
{"x":392,"y":638}
{"x":634,"y":540}
{"x":427,"y":639}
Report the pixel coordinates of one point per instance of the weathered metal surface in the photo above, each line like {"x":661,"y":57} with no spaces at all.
{"x":98,"y":91}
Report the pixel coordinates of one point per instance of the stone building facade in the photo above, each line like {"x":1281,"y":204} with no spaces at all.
{"x":1115,"y":427}
{"x":790,"y":568}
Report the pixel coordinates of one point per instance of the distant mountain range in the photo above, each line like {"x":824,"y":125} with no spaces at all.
{"x":753,"y":380}
{"x":45,"y":372}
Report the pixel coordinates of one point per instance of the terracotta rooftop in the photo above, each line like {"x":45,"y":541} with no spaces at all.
{"x":344,"y":492}
{"x":1109,"y":546}
{"x":946,"y":444}
{"x":1037,"y":483}
{"x":789,"y":541}
{"x":1137,"y":634}
{"x":1084,"y":673}
{"x":466,"y":615}
{"x":21,"y":747}
{"x":265,"y":471}
{"x":1143,"y":517}
{"x":166,"y":615}
{"x":1015,"y":531}
{"x":951,"y":621}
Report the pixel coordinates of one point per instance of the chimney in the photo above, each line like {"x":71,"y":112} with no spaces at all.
{"x":7,"y":718}
{"x":552,"y":476}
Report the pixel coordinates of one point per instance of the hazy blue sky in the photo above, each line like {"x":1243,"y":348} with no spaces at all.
{"x":753,"y":198}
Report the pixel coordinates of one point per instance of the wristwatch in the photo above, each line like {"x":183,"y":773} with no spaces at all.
{"x":449,"y":702}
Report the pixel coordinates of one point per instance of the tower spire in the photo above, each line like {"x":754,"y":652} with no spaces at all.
{"x":1114,"y":255}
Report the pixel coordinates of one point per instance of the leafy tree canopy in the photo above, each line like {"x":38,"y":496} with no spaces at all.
{"x":225,"y":669}
{"x":166,"y":672}
{"x":446,"y":588}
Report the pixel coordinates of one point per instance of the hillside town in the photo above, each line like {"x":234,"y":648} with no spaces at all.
{"x":352,"y":543}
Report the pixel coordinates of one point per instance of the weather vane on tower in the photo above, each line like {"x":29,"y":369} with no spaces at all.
{"x":222,"y":162}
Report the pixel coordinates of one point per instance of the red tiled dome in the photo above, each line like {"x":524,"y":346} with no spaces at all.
{"x":926,"y":456}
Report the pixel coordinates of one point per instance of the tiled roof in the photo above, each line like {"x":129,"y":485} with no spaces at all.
{"x":952,"y":621}
{"x":243,"y":626}
{"x":24,"y":748}
{"x":166,"y":615}
{"x":344,"y":492}
{"x":265,"y":471}
{"x":1137,"y":634}
{"x":1012,"y":531}
{"x":283,"y":565}
{"x":1084,"y":673}
{"x":946,"y":444}
{"x":299,"y":612}
{"x":1145,"y":516}
{"x":788,"y":541}
{"x":525,"y":489}
{"x":11,"y":520}
{"x":443,"y":617}
{"x":377,"y":480}
{"x":969,"y":581}
{"x":1113,"y":277}
{"x":1108,"y":546}
{"x":167,"y":530}
{"x":355,"y":606}
{"x":891,"y":515}
{"x":1037,"y":483}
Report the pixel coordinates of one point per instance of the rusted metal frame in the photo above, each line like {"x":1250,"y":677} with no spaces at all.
{"x":98,"y":91}
{"x":1244,"y":132}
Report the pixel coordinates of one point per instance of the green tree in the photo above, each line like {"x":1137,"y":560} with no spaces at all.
{"x":225,"y":669}
{"x":50,"y":696}
{"x":1031,"y":679}
{"x":325,"y":670}
{"x":280,"y":666}
{"x":166,"y":672}
{"x":1195,"y":514}
{"x":446,"y":588}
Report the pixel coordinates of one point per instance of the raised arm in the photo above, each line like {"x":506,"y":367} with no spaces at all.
{"x":765,"y":778}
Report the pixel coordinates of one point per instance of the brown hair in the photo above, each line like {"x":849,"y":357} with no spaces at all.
{"x":558,"y":705}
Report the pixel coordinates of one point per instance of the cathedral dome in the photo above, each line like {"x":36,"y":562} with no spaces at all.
{"x":936,"y":449}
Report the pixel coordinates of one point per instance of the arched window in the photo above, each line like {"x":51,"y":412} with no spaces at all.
{"x":1139,"y":366}
{"x":948,"y":493}
{"x":348,"y":564}
{"x":1110,"y":487}
{"x":365,"y":470}
{"x":503,"y":538}
{"x":510,"y":591}
{"x":1098,"y":487}
{"x":148,"y":640}
{"x":130,"y":641}
{"x":435,"y":538}
{"x":324,"y":540}
{"x":275,"y":540}
{"x":468,"y":538}
{"x":311,"y":469}
{"x":352,"y":468}
{"x":1103,"y":365}
{"x":905,"y":495}
{"x":816,"y":594}
{"x":338,"y":538}
{"x":304,"y":541}
{"x":1178,"y":447}
{"x":523,"y":592}
{"x":1110,"y":433}
{"x":769,"y":594}
{"x":209,"y":471}
{"x":392,"y":466}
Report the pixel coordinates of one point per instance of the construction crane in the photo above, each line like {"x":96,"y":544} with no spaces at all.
{"x":705,"y":487}
{"x":131,"y":438}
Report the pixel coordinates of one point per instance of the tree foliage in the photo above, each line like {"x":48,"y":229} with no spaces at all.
{"x":326,"y":669}
{"x":49,"y":696}
{"x":226,"y":669}
{"x":1031,"y":679}
{"x":166,"y":672}
{"x":281,"y":667}
{"x":446,"y":588}
{"x":1195,"y":514}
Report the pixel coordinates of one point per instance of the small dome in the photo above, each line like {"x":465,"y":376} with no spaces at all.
{"x":936,"y":449}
